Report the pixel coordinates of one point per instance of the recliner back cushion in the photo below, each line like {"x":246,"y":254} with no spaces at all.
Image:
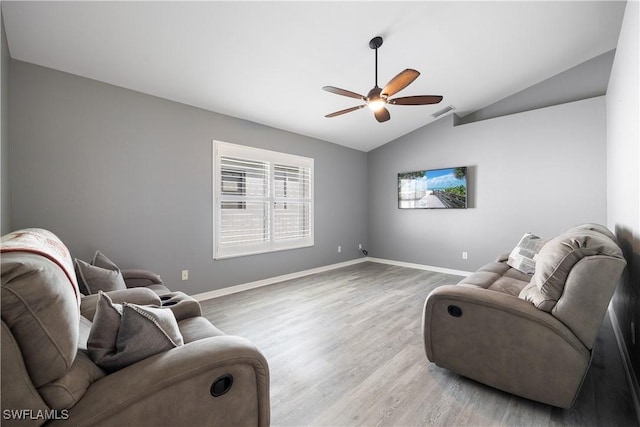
{"x":40,"y":307}
{"x":557,"y":258}
{"x":593,"y":227}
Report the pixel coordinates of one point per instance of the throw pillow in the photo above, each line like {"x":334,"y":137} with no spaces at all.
{"x":100,"y":260}
{"x":104,"y":329}
{"x":99,"y":279}
{"x":122,"y":335}
{"x":523,"y":256}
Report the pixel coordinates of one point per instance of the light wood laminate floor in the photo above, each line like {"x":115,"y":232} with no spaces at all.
{"x":345,"y":349}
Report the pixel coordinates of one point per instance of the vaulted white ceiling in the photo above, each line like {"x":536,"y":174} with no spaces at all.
{"x":267,"y":61}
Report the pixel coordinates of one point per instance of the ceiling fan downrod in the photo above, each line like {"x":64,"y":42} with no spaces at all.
{"x":374,"y":100}
{"x":374,"y":44}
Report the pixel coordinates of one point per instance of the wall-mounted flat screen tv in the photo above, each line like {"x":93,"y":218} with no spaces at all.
{"x":433,"y":189}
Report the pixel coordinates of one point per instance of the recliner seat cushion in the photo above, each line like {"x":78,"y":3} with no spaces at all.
{"x":498,"y":277}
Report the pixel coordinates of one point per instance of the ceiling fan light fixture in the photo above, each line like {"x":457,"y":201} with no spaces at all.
{"x":376,"y":104}
{"x":375,"y":101}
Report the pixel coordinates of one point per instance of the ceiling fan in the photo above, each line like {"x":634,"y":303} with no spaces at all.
{"x":377,"y":98}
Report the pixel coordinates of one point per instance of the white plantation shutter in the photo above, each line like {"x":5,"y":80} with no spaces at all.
{"x":263,"y":201}
{"x":292,"y":204}
{"x":244,"y":201}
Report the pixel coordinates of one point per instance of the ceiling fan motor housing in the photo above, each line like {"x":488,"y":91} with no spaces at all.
{"x":374,"y":93}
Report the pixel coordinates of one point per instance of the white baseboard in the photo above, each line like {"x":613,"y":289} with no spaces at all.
{"x":270,"y":281}
{"x":626,"y":362}
{"x":421,"y":267}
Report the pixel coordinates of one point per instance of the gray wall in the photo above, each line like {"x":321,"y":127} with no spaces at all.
{"x":130,"y":174}
{"x":5,"y":189}
{"x":540,"y":171}
{"x":586,"y":80}
{"x":623,"y":178}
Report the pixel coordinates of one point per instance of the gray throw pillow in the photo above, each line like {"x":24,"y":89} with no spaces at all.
{"x":97,"y":278}
{"x":100,"y":260}
{"x":123,"y":334}
{"x":104,"y":329}
{"x":523,"y":256}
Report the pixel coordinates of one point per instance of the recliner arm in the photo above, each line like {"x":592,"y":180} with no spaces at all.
{"x":134,"y":278}
{"x":504,"y":341}
{"x":174,"y":388}
{"x":140,"y":296}
{"x":503,"y":305}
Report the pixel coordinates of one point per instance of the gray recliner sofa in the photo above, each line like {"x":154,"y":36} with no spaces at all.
{"x":528,"y":334}
{"x":48,"y":376}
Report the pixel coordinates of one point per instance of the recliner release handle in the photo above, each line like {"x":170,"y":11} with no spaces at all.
{"x":454,"y":311}
{"x":221,"y":385}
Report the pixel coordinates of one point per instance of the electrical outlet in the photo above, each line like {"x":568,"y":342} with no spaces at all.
{"x":185,"y":274}
{"x":464,"y":255}
{"x":359,"y":246}
{"x":339,"y":249}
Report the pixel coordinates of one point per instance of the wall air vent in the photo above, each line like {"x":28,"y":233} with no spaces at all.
{"x":444,"y":111}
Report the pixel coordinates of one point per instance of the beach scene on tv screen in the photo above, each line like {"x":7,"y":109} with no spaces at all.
{"x":433,"y":189}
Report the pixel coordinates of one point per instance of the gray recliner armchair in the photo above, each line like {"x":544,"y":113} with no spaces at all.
{"x":48,"y":376}
{"x":530,"y":335}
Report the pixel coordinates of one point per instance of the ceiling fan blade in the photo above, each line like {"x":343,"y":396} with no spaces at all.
{"x":382,"y":115}
{"x":343,"y":92}
{"x":348,"y":110}
{"x":416,"y":100}
{"x":400,"y":81}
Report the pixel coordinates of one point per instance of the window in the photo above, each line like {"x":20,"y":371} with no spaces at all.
{"x":263,"y":200}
